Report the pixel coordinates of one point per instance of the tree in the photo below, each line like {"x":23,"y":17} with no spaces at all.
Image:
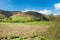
{"x":2,"y":17}
{"x":51,"y":17}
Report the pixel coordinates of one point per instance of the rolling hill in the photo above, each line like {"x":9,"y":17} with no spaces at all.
{"x":31,"y":14}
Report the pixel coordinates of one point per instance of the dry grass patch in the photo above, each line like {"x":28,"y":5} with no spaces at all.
{"x":21,"y":31}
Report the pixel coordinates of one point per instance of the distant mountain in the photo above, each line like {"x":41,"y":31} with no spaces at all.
{"x":33,"y":13}
{"x":28,"y":14}
{"x":6,"y":13}
{"x":9,"y":13}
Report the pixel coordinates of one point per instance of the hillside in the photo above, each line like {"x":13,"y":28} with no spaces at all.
{"x":10,"y":13}
{"x":31,"y":14}
{"x":6,"y":13}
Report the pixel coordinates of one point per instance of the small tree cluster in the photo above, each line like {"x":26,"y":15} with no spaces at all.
{"x":2,"y":17}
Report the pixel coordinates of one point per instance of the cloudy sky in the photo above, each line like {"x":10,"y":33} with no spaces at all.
{"x":41,"y":6}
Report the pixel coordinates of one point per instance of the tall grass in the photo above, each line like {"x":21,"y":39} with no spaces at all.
{"x":54,"y":30}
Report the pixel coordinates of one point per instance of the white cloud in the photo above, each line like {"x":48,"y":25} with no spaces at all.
{"x":45,"y":11}
{"x":57,"y":6}
{"x":26,"y":9}
{"x":56,"y":14}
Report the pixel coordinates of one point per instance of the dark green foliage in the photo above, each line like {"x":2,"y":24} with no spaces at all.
{"x":1,"y":37}
{"x":51,"y":17}
{"x":2,"y":17}
{"x":13,"y":37}
{"x":21,"y":38}
{"x":34,"y":36}
{"x":6,"y":37}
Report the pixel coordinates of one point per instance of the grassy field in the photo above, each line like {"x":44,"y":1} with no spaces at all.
{"x":42,"y":23}
{"x":24,"y":31}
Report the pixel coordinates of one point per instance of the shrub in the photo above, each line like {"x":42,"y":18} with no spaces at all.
{"x":51,"y":17}
{"x":2,"y":17}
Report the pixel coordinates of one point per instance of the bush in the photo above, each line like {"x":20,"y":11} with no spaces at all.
{"x":2,"y":17}
{"x":51,"y":17}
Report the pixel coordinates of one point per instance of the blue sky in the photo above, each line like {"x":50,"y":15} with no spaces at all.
{"x":37,"y":5}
